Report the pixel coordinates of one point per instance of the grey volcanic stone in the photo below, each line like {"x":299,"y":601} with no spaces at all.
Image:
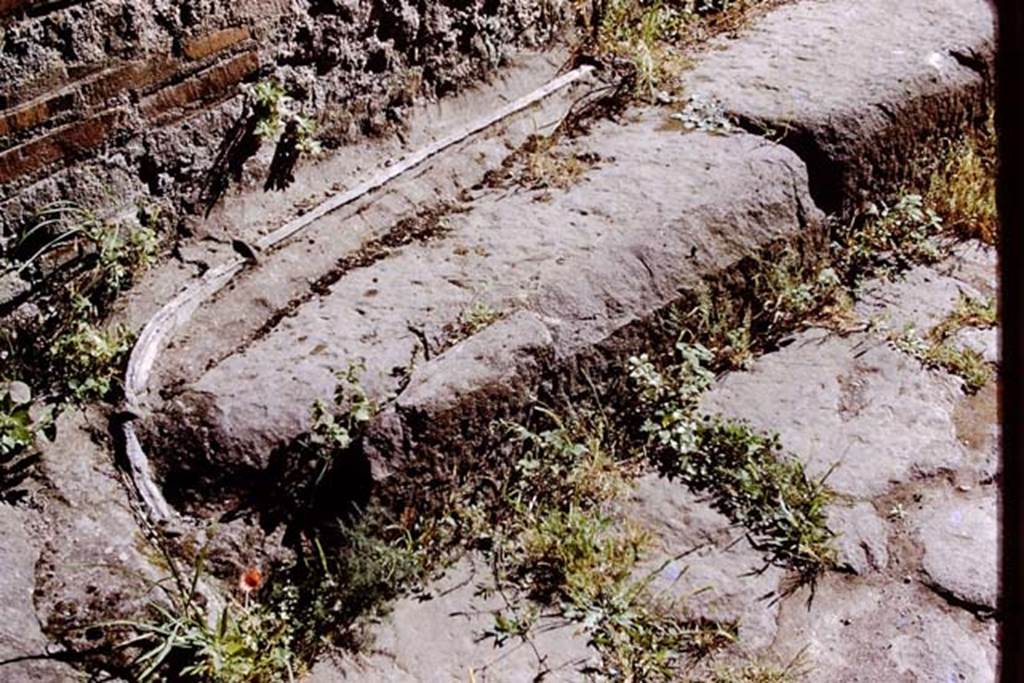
{"x":855,"y":86}
{"x":20,"y":633}
{"x":961,"y":548}
{"x":660,"y":212}
{"x":863,"y":632}
{"x":850,"y":402}
{"x":919,"y":299}
{"x":439,"y":638}
{"x":984,"y":341}
{"x":862,"y":537}
{"x":706,"y":562}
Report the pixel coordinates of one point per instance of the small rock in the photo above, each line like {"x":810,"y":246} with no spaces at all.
{"x":19,"y":392}
{"x":11,"y":287}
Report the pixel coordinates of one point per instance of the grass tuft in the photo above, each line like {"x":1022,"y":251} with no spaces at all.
{"x":962,"y":188}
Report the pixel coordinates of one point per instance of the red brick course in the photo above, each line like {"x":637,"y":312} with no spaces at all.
{"x":207,"y":85}
{"x":34,"y":113}
{"x":67,"y":142}
{"x":217,"y":41}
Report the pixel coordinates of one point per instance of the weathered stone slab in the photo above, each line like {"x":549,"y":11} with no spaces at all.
{"x":862,"y":632}
{"x":855,"y":86}
{"x":706,"y":562}
{"x":850,"y":402}
{"x":920,"y":299}
{"x":439,"y":638}
{"x":23,"y":646}
{"x":862,"y":537}
{"x":961,"y":548}
{"x":661,"y":211}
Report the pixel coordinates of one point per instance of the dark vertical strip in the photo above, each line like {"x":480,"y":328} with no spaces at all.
{"x":1010,"y":126}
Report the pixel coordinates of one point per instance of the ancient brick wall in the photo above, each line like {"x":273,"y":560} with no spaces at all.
{"x":116,"y":102}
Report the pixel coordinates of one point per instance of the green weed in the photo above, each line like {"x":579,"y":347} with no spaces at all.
{"x":887,"y":240}
{"x":748,"y":476}
{"x":965,"y":363}
{"x":89,"y":359}
{"x":77,"y":264}
{"x":274,"y":117}
{"x":778,"y":295}
{"x":555,"y":544}
{"x":939,"y":351}
{"x":107,"y":254}
{"x":270,"y":633}
{"x":969,"y":312}
{"x":20,"y":427}
{"x":335,"y":428}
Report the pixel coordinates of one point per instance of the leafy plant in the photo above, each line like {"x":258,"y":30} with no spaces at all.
{"x":246,"y":642}
{"x":270,"y":633}
{"x":274,"y":115}
{"x":89,"y":359}
{"x":704,"y":114}
{"x":268,"y":100}
{"x":887,"y":240}
{"x":19,"y":430}
{"x":335,"y":428}
{"x":750,"y":479}
{"x":555,"y":544}
{"x":111,"y":253}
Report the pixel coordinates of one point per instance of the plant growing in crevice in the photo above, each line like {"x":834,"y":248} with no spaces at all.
{"x":270,"y":628}
{"x":887,"y":240}
{"x":746,"y":473}
{"x":966,"y":363}
{"x":777,"y":294}
{"x":938,"y":349}
{"x":275,"y":116}
{"x":335,"y":428}
{"x":103,"y":256}
{"x":89,"y":359}
{"x":78,"y":264}
{"x":472,"y":320}
{"x":961,"y":187}
{"x":541,"y":163}
{"x":556,"y":545}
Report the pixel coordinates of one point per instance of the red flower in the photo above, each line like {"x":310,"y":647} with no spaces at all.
{"x":250,"y":580}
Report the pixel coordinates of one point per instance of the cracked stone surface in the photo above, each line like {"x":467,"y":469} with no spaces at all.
{"x":20,"y":632}
{"x":852,"y":404}
{"x":862,"y":537}
{"x":661,"y":209}
{"x":867,"y":631}
{"x":439,"y":638}
{"x":853,"y":87}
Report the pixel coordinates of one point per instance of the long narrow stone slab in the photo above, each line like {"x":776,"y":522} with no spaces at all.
{"x":856,"y":87}
{"x":661,"y":211}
